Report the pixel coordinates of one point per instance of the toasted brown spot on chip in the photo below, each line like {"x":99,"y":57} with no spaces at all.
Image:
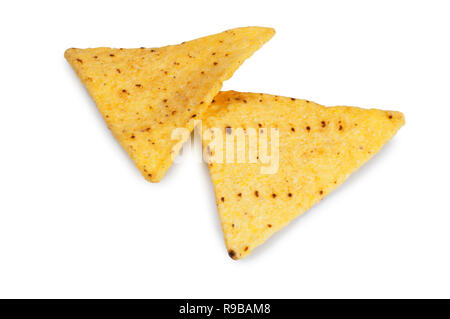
{"x":232,"y":253}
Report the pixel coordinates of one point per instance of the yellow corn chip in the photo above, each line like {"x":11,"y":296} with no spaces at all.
{"x":319,"y":147}
{"x":144,"y":94}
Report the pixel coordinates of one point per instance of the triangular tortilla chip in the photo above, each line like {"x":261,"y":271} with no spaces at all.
{"x":319,"y":147}
{"x":144,"y":94}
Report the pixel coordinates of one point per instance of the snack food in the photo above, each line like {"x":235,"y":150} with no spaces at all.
{"x":144,"y":94}
{"x":319,"y":147}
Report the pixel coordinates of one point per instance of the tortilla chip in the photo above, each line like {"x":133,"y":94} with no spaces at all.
{"x":144,"y":94}
{"x":319,"y":147}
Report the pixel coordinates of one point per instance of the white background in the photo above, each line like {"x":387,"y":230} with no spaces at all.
{"x":78,"y":220}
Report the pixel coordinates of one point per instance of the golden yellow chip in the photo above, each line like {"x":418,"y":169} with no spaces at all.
{"x":302,"y":152}
{"x":144,"y":94}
